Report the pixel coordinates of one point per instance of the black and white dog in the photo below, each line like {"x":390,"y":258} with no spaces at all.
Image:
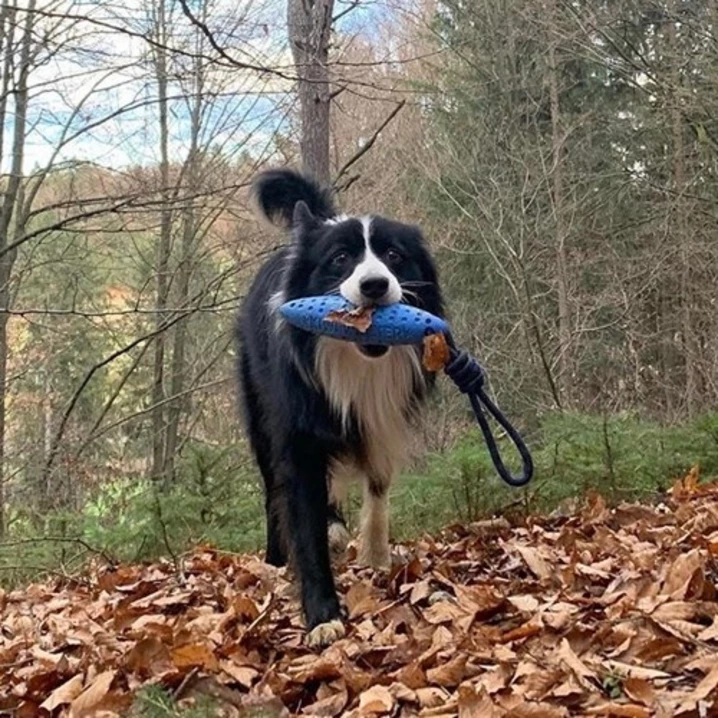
{"x":320,"y":409}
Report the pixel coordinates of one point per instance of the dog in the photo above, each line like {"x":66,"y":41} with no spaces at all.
{"x":319,"y":410}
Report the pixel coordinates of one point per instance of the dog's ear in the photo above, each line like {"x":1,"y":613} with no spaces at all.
{"x":302,"y":217}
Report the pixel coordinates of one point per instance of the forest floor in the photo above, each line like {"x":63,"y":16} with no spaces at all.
{"x":604,"y":612}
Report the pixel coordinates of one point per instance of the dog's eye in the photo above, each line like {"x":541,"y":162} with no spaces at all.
{"x":393,"y":257}
{"x":340,"y":259}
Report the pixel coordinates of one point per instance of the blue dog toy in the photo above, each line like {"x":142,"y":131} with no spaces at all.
{"x":390,"y":325}
{"x":396,"y":324}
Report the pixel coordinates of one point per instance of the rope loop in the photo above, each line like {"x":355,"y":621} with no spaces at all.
{"x":465,"y":372}
{"x":469,"y":378}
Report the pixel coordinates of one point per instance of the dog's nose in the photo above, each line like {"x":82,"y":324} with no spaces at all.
{"x":374,"y":287}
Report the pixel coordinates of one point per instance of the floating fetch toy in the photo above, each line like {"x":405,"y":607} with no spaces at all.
{"x":396,"y":324}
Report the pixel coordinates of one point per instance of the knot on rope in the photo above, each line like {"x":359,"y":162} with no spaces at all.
{"x":465,"y":372}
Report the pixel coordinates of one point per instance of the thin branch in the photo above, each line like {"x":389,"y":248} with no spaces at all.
{"x":370,"y":143}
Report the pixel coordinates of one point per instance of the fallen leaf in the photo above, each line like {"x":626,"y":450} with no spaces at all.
{"x":93,"y":695}
{"x":194,"y":655}
{"x":359,"y":318}
{"x":619,"y":710}
{"x":244,"y":675}
{"x":149,"y":657}
{"x":376,"y":699}
{"x":331,"y":705}
{"x":66,"y":693}
{"x":535,"y":562}
{"x":449,"y":674}
{"x":685,"y":576}
{"x":476,"y":704}
{"x":640,"y":690}
{"x":704,"y":689}
{"x":583,"y":674}
{"x":431,"y":697}
{"x":436,"y":352}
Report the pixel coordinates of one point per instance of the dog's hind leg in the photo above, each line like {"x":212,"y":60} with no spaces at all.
{"x":276,"y":541}
{"x":374,"y":528}
{"x":304,"y":472}
{"x":261,"y":447}
{"x":336,"y":523}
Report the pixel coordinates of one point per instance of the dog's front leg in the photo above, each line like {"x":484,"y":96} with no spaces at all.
{"x":306,"y":481}
{"x":374,"y":548}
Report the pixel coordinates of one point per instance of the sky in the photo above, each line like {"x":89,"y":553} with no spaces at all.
{"x":93,"y":97}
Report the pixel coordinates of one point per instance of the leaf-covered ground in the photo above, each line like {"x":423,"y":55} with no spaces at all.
{"x":609,"y":612}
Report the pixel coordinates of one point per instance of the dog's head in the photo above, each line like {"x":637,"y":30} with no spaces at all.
{"x":368,"y":260}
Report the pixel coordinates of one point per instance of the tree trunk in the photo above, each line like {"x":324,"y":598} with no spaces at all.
{"x":558,"y":201}
{"x":164,"y":245}
{"x":687,"y":331}
{"x":8,"y":209}
{"x":184,"y":272}
{"x":309,"y":25}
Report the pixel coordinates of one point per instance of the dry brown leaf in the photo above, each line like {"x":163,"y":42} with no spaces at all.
{"x":535,"y":562}
{"x":436,"y":352}
{"x":375,"y":700}
{"x":704,"y":689}
{"x":443,"y":612}
{"x":536,"y":710}
{"x":685,"y":576}
{"x":64,"y":694}
{"x":331,"y":705}
{"x":525,"y":630}
{"x":710,"y":633}
{"x":402,"y":693}
{"x":244,"y":675}
{"x":92,"y":695}
{"x":526,"y":603}
{"x":640,"y":690}
{"x":476,"y":704}
{"x":448,"y":674}
{"x":619,"y":710}
{"x":420,"y":591}
{"x":194,"y":655}
{"x":627,"y":593}
{"x":359,"y":318}
{"x":149,"y":657}
{"x":632,"y":671}
{"x":431,"y":697}
{"x":412,"y":675}
{"x":581,"y":671}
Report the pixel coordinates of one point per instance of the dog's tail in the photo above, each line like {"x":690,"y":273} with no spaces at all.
{"x":278,"y":191}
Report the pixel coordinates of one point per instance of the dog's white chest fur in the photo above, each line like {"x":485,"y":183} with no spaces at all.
{"x":377,"y":393}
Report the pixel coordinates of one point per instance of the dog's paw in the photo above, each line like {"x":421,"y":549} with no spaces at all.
{"x":376,"y":557}
{"x":338,"y":538}
{"x":325,"y":633}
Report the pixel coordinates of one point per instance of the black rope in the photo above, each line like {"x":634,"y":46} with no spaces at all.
{"x":468,"y":376}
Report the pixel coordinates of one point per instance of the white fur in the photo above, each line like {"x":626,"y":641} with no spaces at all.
{"x":276,"y":301}
{"x":370,"y":267}
{"x":374,"y":532}
{"x":337,"y":220}
{"x":341,"y":473}
{"x":377,"y":391}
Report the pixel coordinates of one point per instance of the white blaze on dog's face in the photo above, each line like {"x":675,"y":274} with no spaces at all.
{"x":371,"y":282}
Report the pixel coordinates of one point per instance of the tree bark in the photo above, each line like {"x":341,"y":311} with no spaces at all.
{"x":164,"y":245}
{"x":12,"y":196}
{"x":309,"y":25}
{"x":688,"y":343}
{"x":184,"y":272}
{"x":558,"y":201}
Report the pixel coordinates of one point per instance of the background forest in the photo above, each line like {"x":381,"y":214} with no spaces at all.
{"x":560,"y":155}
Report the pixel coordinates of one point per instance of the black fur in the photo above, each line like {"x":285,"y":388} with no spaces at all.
{"x":292,"y":429}
{"x":278,"y":191}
